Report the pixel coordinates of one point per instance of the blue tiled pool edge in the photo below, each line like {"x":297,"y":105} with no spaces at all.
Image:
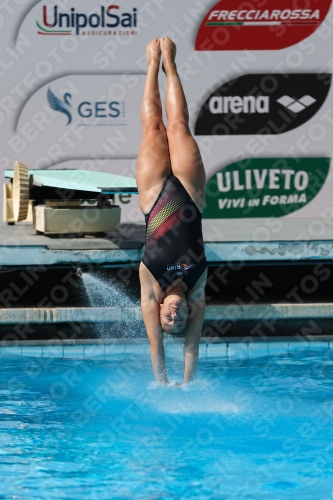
{"x":102,"y":349}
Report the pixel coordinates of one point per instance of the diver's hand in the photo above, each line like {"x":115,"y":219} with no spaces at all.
{"x":176,"y":385}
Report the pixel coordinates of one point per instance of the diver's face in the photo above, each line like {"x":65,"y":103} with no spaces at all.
{"x":174,"y":313}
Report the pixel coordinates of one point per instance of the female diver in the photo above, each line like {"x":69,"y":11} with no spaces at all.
{"x":171,"y":183}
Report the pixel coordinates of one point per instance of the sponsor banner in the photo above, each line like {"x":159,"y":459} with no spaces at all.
{"x":84,"y":36}
{"x":82,"y":18}
{"x":264,"y":187}
{"x":263,"y":104}
{"x":80,"y":116}
{"x":274,"y":25}
{"x":58,"y":19}
{"x":75,"y":122}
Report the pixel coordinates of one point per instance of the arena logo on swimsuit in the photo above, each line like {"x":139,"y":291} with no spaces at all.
{"x":106,"y":21}
{"x":179,"y":266}
{"x":173,"y":267}
{"x":236,"y":25}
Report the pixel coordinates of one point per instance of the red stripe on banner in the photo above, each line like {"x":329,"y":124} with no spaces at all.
{"x":53,"y":34}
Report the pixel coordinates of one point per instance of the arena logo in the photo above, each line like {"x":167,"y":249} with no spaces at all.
{"x":107,"y":21}
{"x":234,"y":25}
{"x":178,"y":266}
{"x":264,"y":187}
{"x":263,"y":104}
{"x":89,"y":113}
{"x":173,"y":267}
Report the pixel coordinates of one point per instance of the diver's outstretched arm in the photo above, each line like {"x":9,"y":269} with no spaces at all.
{"x":158,"y":362}
{"x":151,"y":317}
{"x":196,"y":301}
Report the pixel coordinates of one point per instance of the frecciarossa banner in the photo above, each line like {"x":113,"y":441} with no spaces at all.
{"x":264,"y":187}
{"x":263,"y":104}
{"x":273,"y":25}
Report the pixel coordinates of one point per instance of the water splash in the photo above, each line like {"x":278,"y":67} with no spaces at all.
{"x":106,"y":291}
{"x":200,"y":397}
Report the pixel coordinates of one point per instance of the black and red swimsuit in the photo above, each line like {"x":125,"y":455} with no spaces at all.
{"x":174,"y":244}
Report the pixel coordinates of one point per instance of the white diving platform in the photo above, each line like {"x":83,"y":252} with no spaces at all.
{"x":80,"y":180}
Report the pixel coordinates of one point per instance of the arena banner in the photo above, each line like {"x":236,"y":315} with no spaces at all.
{"x":273,"y":25}
{"x":263,"y":104}
{"x":264,"y":187}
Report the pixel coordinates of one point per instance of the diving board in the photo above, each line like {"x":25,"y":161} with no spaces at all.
{"x":54,"y":200}
{"x":80,"y":180}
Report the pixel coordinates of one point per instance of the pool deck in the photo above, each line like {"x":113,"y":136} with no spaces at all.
{"x":257,"y":240}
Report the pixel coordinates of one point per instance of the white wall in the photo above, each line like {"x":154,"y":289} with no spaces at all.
{"x":111,"y":68}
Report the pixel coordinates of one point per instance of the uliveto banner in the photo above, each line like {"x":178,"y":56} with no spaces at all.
{"x":273,"y":25}
{"x":263,"y":104}
{"x":264,"y":187}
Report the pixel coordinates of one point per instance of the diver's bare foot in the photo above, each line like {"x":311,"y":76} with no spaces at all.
{"x":153,"y":52}
{"x":169,"y":50}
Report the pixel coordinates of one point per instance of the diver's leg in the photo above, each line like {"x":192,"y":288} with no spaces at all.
{"x":153,"y":164}
{"x":186,"y":162}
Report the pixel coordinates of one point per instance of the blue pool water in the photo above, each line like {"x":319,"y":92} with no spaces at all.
{"x":101,"y":428}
